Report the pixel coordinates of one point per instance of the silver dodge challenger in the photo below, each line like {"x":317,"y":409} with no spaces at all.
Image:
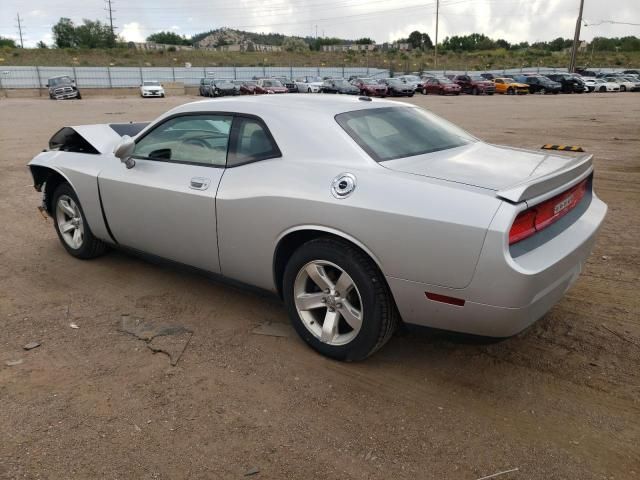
{"x":358,"y":213}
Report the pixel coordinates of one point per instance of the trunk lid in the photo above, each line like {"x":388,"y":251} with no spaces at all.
{"x":514,"y":174}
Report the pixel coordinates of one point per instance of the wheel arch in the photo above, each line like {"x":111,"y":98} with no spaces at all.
{"x":290,"y":240}
{"x":46,"y":180}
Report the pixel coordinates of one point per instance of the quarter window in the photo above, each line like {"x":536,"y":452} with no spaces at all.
{"x":253,"y":142}
{"x":198,"y":139}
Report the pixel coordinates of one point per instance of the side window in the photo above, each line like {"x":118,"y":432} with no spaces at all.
{"x":199,"y":139}
{"x":252,"y":142}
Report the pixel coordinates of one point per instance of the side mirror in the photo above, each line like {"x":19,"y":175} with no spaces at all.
{"x":124,"y":150}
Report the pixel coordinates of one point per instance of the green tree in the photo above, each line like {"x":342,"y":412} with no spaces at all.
{"x":364,"y":41}
{"x":415,"y":39}
{"x":292,"y":44}
{"x":7,"y":42}
{"x":427,"y":44}
{"x":168,"y":38}
{"x":41,"y":44}
{"x":64,"y":33}
{"x":93,"y":34}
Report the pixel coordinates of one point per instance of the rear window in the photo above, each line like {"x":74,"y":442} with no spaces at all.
{"x":398,"y":132}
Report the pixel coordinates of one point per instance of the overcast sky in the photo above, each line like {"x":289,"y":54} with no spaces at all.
{"x":382,"y":20}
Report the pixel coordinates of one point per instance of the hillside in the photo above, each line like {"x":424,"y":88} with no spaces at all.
{"x":397,"y":61}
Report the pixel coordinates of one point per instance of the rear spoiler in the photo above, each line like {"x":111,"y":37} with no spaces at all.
{"x":567,"y":176}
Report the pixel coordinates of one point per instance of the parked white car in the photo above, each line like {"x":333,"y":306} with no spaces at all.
{"x":626,"y":84}
{"x":151,"y":88}
{"x":308,"y":84}
{"x":602,"y":85}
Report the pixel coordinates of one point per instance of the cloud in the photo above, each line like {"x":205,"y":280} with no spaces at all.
{"x":131,"y":32}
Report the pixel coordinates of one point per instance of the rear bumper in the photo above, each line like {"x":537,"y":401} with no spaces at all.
{"x":508,"y":293}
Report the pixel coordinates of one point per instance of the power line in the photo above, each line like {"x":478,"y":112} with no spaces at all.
{"x":20,"y":29}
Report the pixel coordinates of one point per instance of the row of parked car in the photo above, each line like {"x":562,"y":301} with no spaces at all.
{"x":409,"y":85}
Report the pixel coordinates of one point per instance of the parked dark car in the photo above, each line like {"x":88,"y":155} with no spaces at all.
{"x":369,"y":87}
{"x":289,"y":84}
{"x":475,"y":84}
{"x":539,"y":84}
{"x":585,"y":72}
{"x":489,"y":76}
{"x":222,"y":87}
{"x":568,"y":83}
{"x":441,"y":86}
{"x":205,"y":87}
{"x":63,"y":88}
{"x":397,"y":88}
{"x":339,"y":85}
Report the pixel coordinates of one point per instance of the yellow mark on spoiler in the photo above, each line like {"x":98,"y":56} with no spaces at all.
{"x":570,"y":148}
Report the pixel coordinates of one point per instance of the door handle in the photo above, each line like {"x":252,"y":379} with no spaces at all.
{"x":199,"y":183}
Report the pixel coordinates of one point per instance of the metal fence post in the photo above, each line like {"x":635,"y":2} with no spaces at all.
{"x":109,"y":75}
{"x":141,"y":78}
{"x":39,"y":80}
{"x":264,"y":71}
{"x":173,"y":73}
{"x":235,"y":73}
{"x":75,"y":77}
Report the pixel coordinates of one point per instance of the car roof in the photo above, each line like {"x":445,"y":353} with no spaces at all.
{"x":295,"y":105}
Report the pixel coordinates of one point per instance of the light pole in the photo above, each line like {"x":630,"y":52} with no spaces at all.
{"x":435,"y":47}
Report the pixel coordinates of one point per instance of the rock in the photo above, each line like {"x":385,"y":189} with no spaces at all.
{"x":31,"y":345}
{"x":252,"y":471}
{"x":73,"y":325}
{"x":13,"y":363}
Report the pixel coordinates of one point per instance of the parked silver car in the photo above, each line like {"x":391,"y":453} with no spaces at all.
{"x":356,"y":212}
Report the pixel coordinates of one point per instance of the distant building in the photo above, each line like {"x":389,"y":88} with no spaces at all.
{"x":152,"y":46}
{"x":353,"y":47}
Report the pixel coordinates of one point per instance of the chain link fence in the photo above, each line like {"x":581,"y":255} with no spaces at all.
{"x":122,"y":77}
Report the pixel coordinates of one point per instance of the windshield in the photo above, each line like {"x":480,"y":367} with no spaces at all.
{"x":396,"y":132}
{"x":395,"y":82}
{"x":59,"y":81}
{"x":369,"y":81}
{"x":444,"y":80}
{"x":272,"y":83}
{"x":342,"y":83}
{"x":412,"y":78}
{"x":477,"y":78}
{"x":151,"y":84}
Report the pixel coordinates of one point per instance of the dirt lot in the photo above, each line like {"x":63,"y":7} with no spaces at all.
{"x":559,"y":401}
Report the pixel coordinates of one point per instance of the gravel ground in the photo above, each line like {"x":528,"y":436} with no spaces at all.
{"x":559,"y":401}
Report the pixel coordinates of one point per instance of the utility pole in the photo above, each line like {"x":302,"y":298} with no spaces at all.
{"x":110,"y":10}
{"x":576,"y":40}
{"x":435,"y":46}
{"x":20,"y":30}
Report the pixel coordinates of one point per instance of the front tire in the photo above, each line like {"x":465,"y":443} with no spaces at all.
{"x":623,"y":88}
{"x":338,"y":300}
{"x":71,"y":225}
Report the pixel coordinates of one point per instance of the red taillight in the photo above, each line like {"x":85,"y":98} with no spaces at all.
{"x":541,"y":216}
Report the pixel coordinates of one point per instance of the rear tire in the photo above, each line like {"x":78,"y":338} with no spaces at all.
{"x":623,"y":88}
{"x":72,"y":227}
{"x":474,"y":91}
{"x":362,"y":317}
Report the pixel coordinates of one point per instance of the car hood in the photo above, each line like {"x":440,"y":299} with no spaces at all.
{"x":482,"y":165}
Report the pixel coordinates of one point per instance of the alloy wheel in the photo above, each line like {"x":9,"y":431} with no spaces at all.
{"x":328,"y":302}
{"x":69,"y":221}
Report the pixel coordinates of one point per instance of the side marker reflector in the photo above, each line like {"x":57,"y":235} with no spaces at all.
{"x":436,"y":297}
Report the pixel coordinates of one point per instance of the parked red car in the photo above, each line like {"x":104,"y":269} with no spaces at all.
{"x":475,"y":84}
{"x":270,"y":85}
{"x":248,"y":87}
{"x":370,"y":87}
{"x":440,"y":86}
